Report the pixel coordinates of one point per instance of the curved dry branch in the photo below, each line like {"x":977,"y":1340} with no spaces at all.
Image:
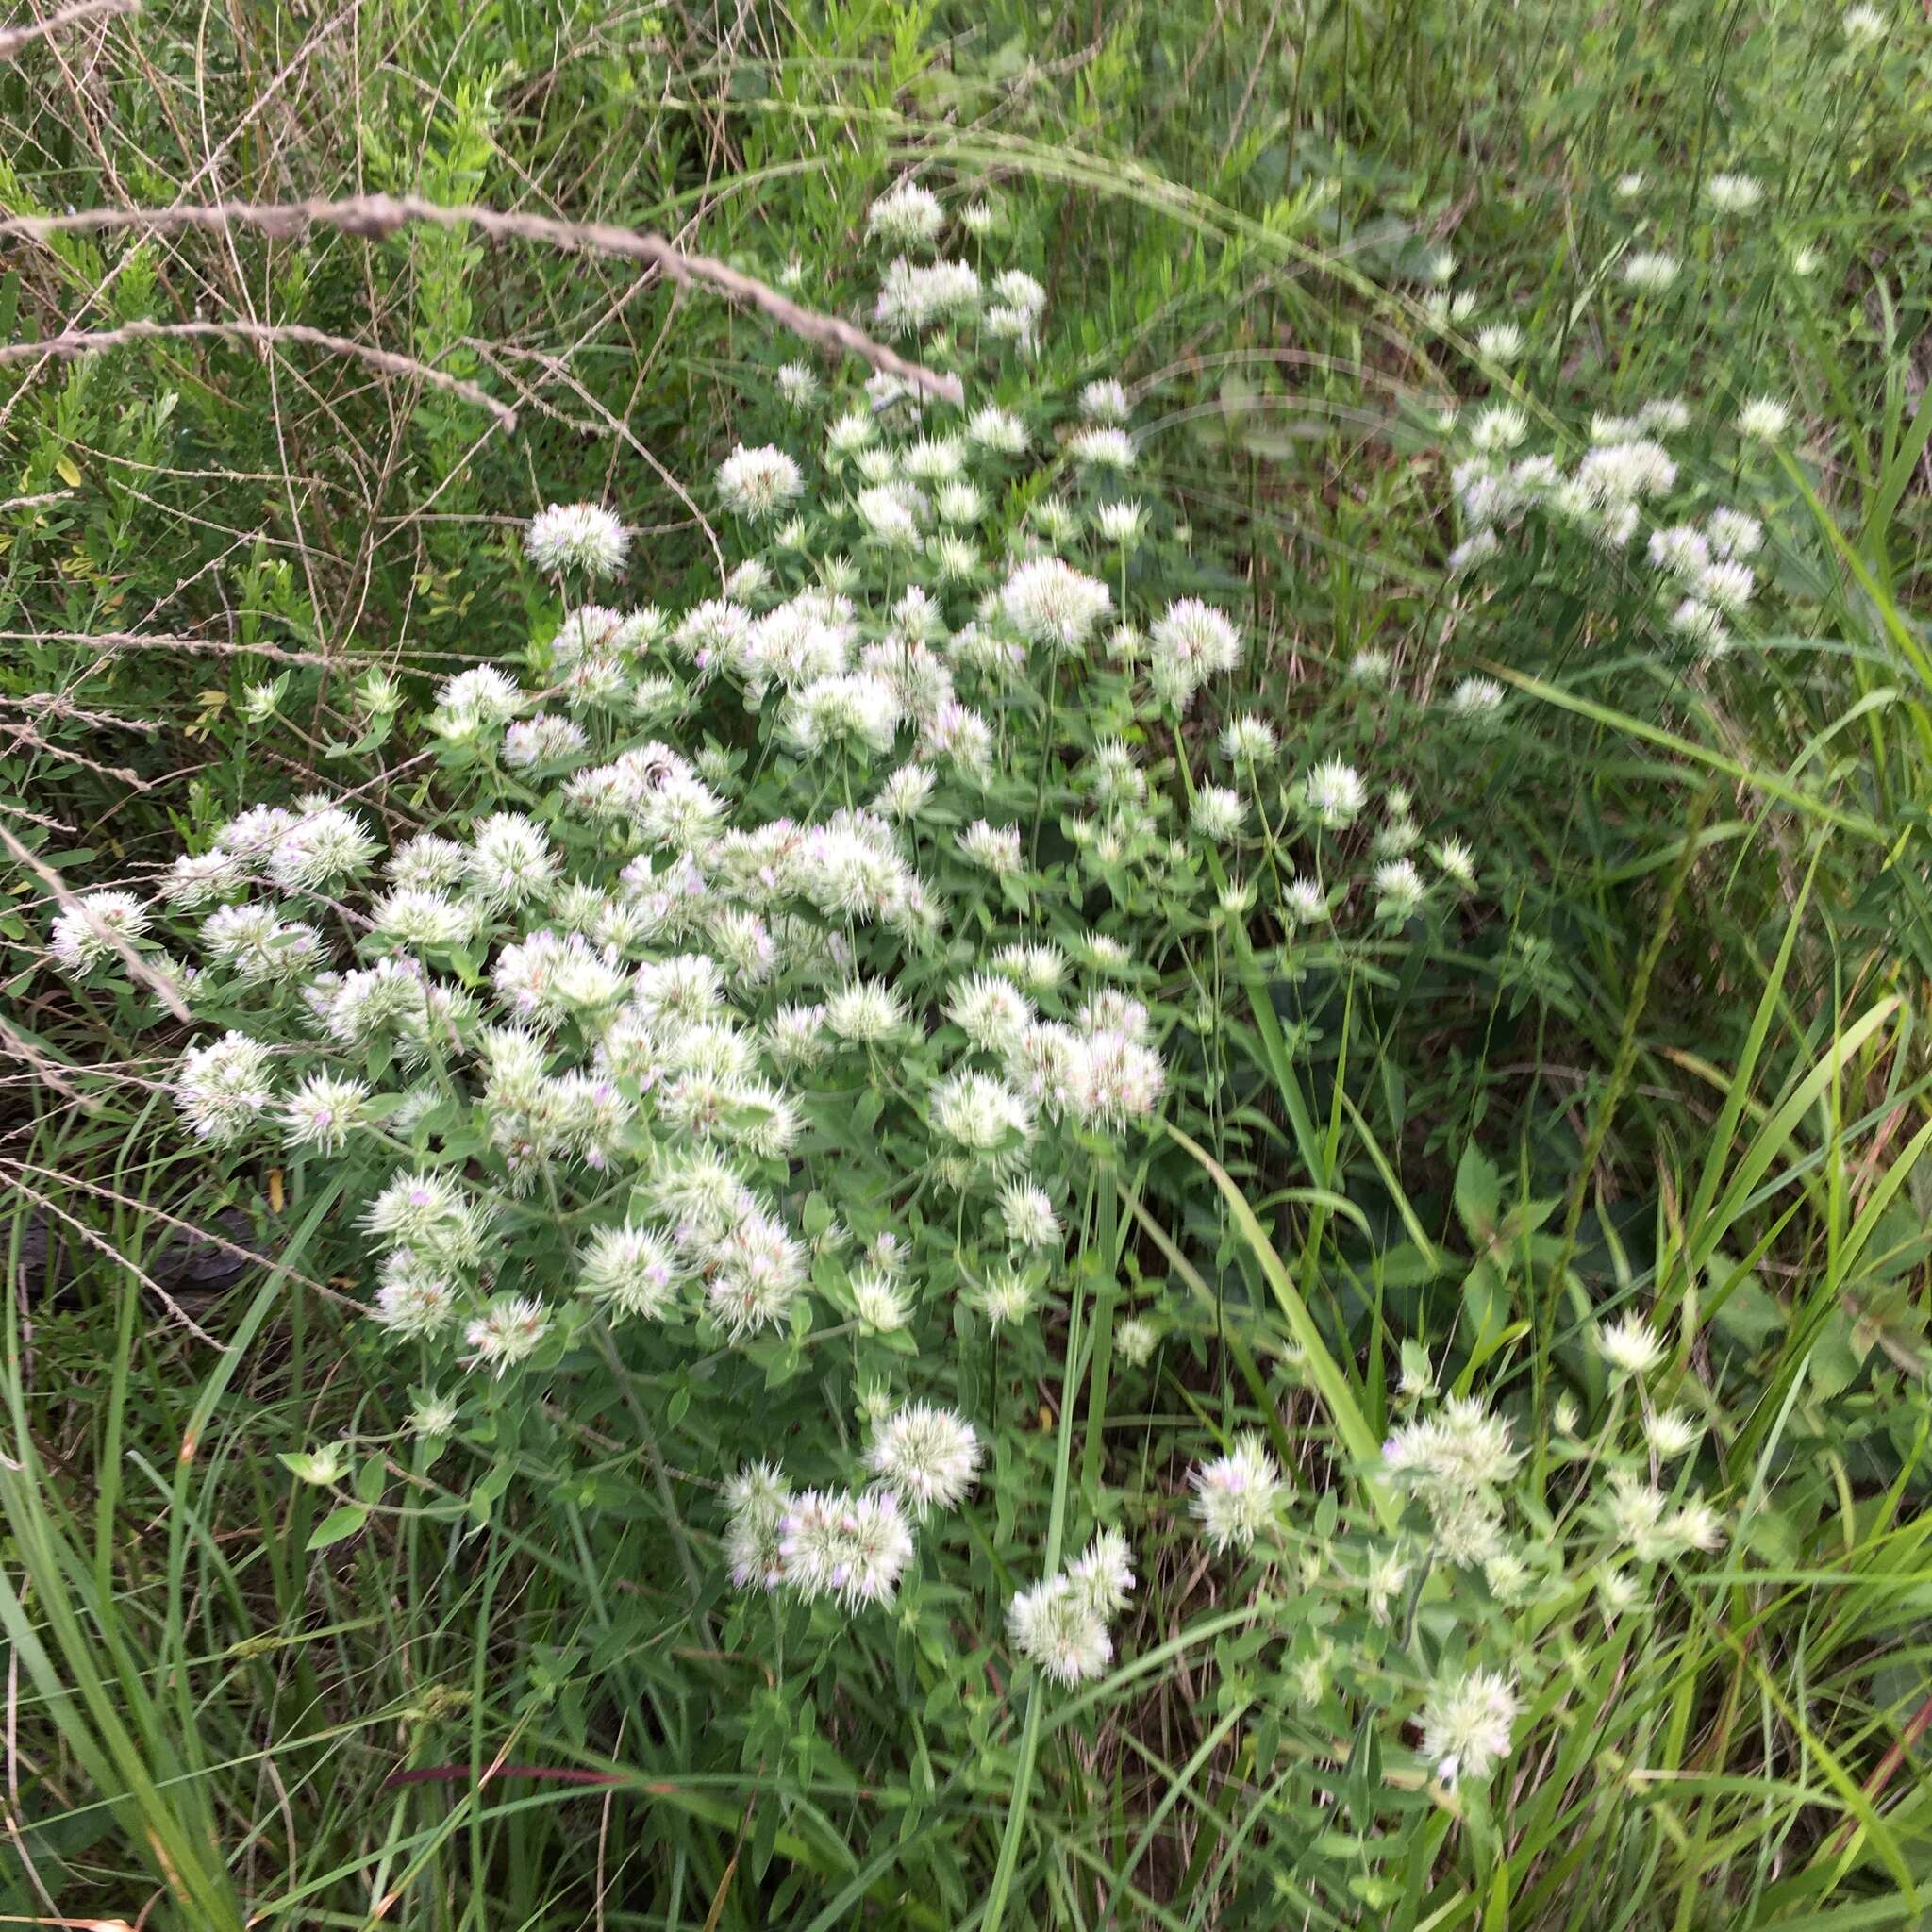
{"x":377,"y":216}
{"x":12,"y":38}
{"x":90,"y":342}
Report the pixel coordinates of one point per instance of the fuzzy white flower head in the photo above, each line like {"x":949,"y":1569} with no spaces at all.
{"x":758,"y":1497}
{"x":854,"y":708}
{"x":1624,"y":469}
{"x":998,"y":430}
{"x":1734,"y":534}
{"x":1117,"y":1080}
{"x":1726,"y":585}
{"x":1191,"y":641}
{"x":1057,"y":519}
{"x":1680,"y":549}
{"x":197,"y":878}
{"x":1103,"y":1572}
{"x":756,"y":482}
{"x":512,"y":862}
{"x":1400,"y":889}
{"x":1703,"y":623}
{"x":1479,"y":699}
{"x":797,"y":384}
{"x":933,"y":459}
{"x":415,"y":1299}
{"x":1733,"y":193}
{"x":94,"y":929}
{"x":1217,"y":814}
{"x":1007,"y":1297}
{"x":1671,"y":1433}
{"x":1666,"y":415}
{"x":959,"y":502}
{"x":981,"y":1113}
{"x":915,"y":297}
{"x":1047,"y":601}
{"x":995,"y":847}
{"x":631,"y":1271}
{"x":1134,"y":1341}
{"x":1650,"y":271}
{"x":1498,"y":426}
{"x":1121,"y":524}
{"x":1629,"y":1344}
{"x":1455,"y":861}
{"x":542,"y":741}
{"x":905,"y":215}
{"x":854,"y":1548}
{"x":1026,"y":1212}
{"x":1105,"y":401}
{"x":865,"y":1012}
{"x":1477,"y":548}
{"x":1864,"y":25}
{"x":579,"y":536}
{"x":484,"y":696}
{"x":1235,"y":1495}
{"x":1334,"y":794}
{"x":1501,"y":343}
{"x":879,"y":1301}
{"x":506,"y":1334}
{"x":927,"y":1455}
{"x":991,"y":1012}
{"x":891,"y":513}
{"x":320,"y":1112}
{"x":851,"y":432}
{"x":1041,"y":968}
{"x":1764,"y":418}
{"x":320,"y":850}
{"x":1056,"y":1625}
{"x":1467,"y":1723}
{"x":222,"y":1088}
{"x":1103,"y":448}
{"x":1249,"y":739}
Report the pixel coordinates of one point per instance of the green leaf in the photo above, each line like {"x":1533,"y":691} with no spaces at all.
{"x":1478,"y":1196}
{"x":337,"y":1525}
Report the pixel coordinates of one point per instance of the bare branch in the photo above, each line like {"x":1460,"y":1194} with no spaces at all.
{"x":376,"y":216}
{"x":13,"y":39}
{"x":90,"y":342}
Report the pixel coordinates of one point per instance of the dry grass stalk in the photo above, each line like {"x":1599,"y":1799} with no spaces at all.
{"x":13,"y":39}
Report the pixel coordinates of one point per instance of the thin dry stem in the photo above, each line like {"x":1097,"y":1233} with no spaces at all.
{"x":91,"y":342}
{"x":13,"y":39}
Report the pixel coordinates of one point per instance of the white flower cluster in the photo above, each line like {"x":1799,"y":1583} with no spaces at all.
{"x":571,"y":1043}
{"x":1236,"y":1495}
{"x":1615,"y":485}
{"x":1456,"y":1460}
{"x":1062,"y":1623}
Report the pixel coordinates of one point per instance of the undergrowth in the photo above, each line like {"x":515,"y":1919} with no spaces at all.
{"x":1145,"y":1152}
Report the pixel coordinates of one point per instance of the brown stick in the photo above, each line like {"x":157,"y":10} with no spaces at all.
{"x":13,"y":39}
{"x":90,"y":343}
{"x":376,"y":216}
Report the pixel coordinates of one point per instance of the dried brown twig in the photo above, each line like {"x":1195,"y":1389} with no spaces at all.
{"x":90,"y":342}
{"x":377,"y":216}
{"x":13,"y":39}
